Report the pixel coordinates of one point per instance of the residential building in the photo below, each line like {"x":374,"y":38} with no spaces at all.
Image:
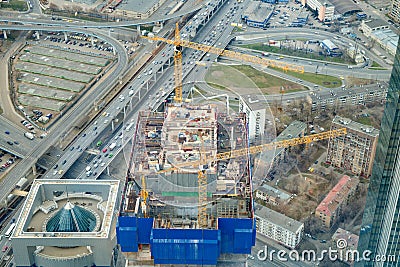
{"x":255,"y":108}
{"x":358,"y":95}
{"x":394,"y":12}
{"x":354,"y":151}
{"x":329,"y":210}
{"x":345,"y":242}
{"x":370,"y":26}
{"x":269,"y":160}
{"x":380,"y":226}
{"x":278,"y":227}
{"x":272,"y":195}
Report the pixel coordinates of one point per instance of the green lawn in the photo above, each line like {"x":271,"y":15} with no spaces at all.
{"x":17,"y":5}
{"x":320,"y":79}
{"x":296,"y":53}
{"x":223,"y":77}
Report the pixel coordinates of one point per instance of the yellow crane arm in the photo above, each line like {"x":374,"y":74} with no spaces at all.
{"x":257,"y":149}
{"x":230,"y":54}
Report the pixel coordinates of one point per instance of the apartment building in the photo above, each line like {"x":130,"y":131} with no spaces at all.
{"x":278,"y":227}
{"x":269,"y":160}
{"x":271,"y":195}
{"x":395,"y":10}
{"x":255,"y":107}
{"x":330,"y":208}
{"x":354,"y":151}
{"x":351,"y":244}
{"x":359,"y":95}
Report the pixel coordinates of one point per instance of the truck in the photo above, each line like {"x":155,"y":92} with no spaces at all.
{"x":21,"y":183}
{"x":29,"y":135}
{"x":112,"y":146}
{"x":10,"y":230}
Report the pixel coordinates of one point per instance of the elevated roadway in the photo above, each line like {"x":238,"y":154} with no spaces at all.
{"x":39,"y":20}
{"x":68,"y":119}
{"x":12,"y":133}
{"x":147,"y":80}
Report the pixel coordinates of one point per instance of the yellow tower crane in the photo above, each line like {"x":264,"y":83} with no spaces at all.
{"x":199,"y":164}
{"x":202,"y":178}
{"x":144,"y":194}
{"x":179,"y":44}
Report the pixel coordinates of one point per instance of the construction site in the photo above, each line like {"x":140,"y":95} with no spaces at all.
{"x":188,"y":194}
{"x":175,"y":183}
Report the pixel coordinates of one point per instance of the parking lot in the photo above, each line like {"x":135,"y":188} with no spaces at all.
{"x":49,"y":76}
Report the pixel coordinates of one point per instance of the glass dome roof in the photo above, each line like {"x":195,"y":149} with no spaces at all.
{"x":72,"y":218}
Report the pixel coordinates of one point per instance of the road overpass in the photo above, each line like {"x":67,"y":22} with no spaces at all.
{"x":68,"y":119}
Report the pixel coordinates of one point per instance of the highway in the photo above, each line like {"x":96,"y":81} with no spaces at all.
{"x":12,"y":133}
{"x":68,"y":119}
{"x":34,"y":19}
{"x":133,"y":97}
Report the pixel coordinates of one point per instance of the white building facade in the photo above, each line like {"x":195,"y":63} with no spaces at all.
{"x":278,"y":227}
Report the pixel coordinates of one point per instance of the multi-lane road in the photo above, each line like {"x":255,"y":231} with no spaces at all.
{"x":68,"y":119}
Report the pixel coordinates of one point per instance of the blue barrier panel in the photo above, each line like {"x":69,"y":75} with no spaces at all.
{"x":237,"y":235}
{"x":185,"y":246}
{"x":144,"y":230}
{"x":127,"y":236}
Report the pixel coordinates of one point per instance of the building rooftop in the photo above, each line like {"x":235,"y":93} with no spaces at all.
{"x":255,"y":102}
{"x":329,"y":44}
{"x":72,"y":218}
{"x":140,"y":6}
{"x":356,"y":126}
{"x":375,"y":23}
{"x":351,"y":239}
{"x":387,"y":37}
{"x":257,"y":11}
{"x":277,"y":218}
{"x":322,"y":95}
{"x":48,"y":208}
{"x":345,"y":6}
{"x":274,"y":192}
{"x":337,"y":195}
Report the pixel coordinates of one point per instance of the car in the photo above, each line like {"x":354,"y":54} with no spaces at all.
{"x":104,"y":150}
{"x":55,"y":166}
{"x":83,"y":135}
{"x":16,"y":142}
{"x":323,"y":241}
{"x":102,"y":164}
{"x":95,"y":173}
{"x":111,"y":155}
{"x":72,"y":148}
{"x":4,"y":249}
{"x":60,"y":171}
{"x":316,"y":162}
{"x":7,"y":132}
{"x":106,"y":155}
{"x":99,"y":156}
{"x":10,"y":143}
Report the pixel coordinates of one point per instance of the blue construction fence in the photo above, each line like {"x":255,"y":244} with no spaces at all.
{"x":187,"y":246}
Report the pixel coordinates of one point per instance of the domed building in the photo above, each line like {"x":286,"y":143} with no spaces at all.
{"x":67,"y":223}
